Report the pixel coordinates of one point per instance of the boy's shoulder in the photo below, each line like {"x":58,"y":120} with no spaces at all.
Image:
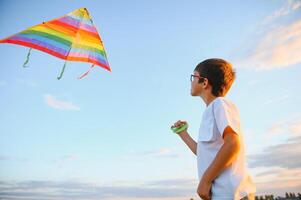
{"x":224,"y":103}
{"x":222,"y":100}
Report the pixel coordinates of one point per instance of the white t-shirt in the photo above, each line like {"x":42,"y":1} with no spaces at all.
{"x":234,"y":182}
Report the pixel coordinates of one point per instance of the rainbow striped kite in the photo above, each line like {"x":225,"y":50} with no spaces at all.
{"x":71,"y":37}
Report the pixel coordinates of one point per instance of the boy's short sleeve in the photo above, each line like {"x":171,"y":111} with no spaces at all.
{"x":226,"y":114}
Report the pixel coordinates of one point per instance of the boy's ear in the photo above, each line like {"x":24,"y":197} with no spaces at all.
{"x":205,"y":83}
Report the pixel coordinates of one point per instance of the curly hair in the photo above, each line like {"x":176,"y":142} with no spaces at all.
{"x":219,"y":73}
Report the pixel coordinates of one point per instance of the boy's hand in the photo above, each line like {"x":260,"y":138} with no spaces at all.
{"x":204,"y":189}
{"x":178,"y":124}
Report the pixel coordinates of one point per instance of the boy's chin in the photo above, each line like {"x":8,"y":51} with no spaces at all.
{"x":193,"y":94}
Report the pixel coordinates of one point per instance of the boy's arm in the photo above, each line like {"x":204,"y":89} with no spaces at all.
{"x":226,"y":155}
{"x":188,"y":141}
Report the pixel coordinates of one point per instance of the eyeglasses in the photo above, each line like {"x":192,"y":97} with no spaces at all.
{"x":192,"y":76}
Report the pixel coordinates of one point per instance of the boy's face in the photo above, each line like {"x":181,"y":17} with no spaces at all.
{"x":196,"y":87}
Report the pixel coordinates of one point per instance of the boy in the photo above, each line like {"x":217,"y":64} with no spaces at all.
{"x":220,"y":148}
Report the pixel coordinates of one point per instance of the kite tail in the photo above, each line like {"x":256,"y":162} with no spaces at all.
{"x":86,"y":73}
{"x":27,"y":59}
{"x":62,"y":72}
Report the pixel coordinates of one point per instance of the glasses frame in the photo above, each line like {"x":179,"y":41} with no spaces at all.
{"x":192,"y":76}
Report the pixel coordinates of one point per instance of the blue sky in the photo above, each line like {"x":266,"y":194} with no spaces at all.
{"x":107,"y":136}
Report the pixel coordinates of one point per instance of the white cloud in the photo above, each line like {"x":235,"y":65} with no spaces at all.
{"x":174,"y":189}
{"x":163,"y":152}
{"x":289,"y":127}
{"x":280,"y":47}
{"x":63,"y":190}
{"x":278,"y":166}
{"x":295,"y":127}
{"x":59,"y":104}
{"x":284,"y":155}
{"x":277,"y":180}
{"x":288,"y":7}
{"x":278,"y":44}
{"x":158,"y":153}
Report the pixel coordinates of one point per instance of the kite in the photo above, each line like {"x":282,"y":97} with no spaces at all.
{"x":72,"y":37}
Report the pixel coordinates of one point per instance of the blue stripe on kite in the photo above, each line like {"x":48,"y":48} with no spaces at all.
{"x":63,"y":52}
{"x":46,"y":40}
{"x":92,"y":55}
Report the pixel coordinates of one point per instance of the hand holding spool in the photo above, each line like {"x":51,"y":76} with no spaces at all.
{"x":179,"y":127}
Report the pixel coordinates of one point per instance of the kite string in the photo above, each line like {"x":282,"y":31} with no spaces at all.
{"x":27,"y":58}
{"x":86,"y":73}
{"x":62,"y":72}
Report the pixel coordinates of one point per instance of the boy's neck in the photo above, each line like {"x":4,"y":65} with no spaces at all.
{"x":208,"y":99}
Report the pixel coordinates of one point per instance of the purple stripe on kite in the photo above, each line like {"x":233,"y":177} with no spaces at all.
{"x":45,"y":40}
{"x":89,"y":28}
{"x":82,"y":19}
{"x":69,"y":20}
{"x":84,"y":54}
{"x":40,"y":43}
{"x":75,"y":23}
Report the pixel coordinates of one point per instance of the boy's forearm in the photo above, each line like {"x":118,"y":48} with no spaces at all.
{"x":226,"y":155}
{"x":189,"y":141}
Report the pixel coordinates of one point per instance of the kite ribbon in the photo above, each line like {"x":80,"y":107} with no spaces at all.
{"x":27,"y":59}
{"x":62,"y":72}
{"x":86,"y":73}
